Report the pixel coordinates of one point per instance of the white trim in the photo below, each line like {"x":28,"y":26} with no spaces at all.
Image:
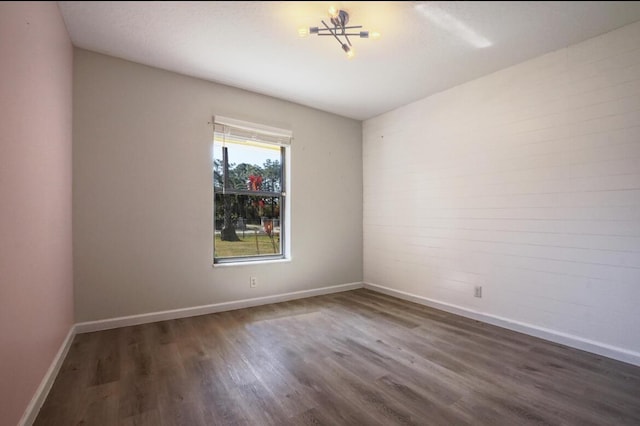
{"x":32,"y":410}
{"x":106,"y":324}
{"x":577,"y":342}
{"x":252,"y":262}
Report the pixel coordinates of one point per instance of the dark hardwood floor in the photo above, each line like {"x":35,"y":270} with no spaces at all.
{"x":353,"y":358}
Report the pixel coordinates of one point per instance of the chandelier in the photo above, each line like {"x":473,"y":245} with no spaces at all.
{"x":339,"y":30}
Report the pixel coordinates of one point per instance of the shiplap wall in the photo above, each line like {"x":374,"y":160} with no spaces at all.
{"x":525,"y":181}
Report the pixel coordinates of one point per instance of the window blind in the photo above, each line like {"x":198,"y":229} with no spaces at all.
{"x":244,"y":131}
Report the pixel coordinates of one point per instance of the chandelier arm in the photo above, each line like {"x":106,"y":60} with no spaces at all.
{"x":351,"y":27}
{"x":345,"y":28}
{"x":346,"y":36}
{"x":332,"y":32}
{"x":324,"y":31}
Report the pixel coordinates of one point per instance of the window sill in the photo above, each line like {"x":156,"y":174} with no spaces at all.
{"x":251,"y":263}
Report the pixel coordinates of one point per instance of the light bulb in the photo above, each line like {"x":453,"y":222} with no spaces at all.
{"x":333,"y":12}
{"x":374,"y":35}
{"x":348,"y":50}
{"x":303,"y":32}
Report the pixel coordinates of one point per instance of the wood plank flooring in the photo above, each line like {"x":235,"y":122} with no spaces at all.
{"x":352,"y":358}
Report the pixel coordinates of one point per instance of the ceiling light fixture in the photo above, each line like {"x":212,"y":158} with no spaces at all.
{"x":340,"y":30}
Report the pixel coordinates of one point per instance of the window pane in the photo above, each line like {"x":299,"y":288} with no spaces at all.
{"x":252,"y":165}
{"x":247,"y":225}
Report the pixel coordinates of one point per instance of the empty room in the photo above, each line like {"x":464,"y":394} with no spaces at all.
{"x":319,"y":213}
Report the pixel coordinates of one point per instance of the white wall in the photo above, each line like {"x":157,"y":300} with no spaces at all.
{"x":142,"y":201}
{"x":525,"y":181}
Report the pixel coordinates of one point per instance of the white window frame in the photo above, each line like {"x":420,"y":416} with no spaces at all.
{"x":268,"y":135}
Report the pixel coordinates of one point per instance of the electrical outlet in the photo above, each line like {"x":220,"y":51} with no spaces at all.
{"x":253,"y":282}
{"x":478,"y":291}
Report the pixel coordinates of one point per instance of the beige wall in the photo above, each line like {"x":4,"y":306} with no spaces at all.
{"x":36,"y":282}
{"x":526,"y":182}
{"x":142,"y":201}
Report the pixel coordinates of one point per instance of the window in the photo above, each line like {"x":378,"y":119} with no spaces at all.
{"x":249,"y":186}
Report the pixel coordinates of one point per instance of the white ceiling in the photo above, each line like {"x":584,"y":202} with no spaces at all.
{"x":255,"y":45}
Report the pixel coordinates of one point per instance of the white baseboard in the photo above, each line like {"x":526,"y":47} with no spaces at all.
{"x":106,"y":324}
{"x":40,"y":396}
{"x":599,"y":348}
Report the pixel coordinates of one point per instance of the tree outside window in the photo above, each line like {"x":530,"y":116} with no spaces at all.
{"x":248,"y":198}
